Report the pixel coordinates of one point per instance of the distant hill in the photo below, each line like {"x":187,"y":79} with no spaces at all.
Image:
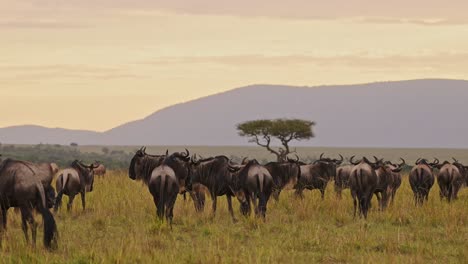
{"x":428,"y":113}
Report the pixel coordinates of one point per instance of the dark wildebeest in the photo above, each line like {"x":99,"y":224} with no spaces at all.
{"x":342,"y":179}
{"x":166,"y":176}
{"x":317,"y":175}
{"x":386,"y":182}
{"x":363,"y":182}
{"x":214,"y":174}
{"x":285,"y":175}
{"x":421,"y":179}
{"x":21,"y":187}
{"x":78,"y":179}
{"x":100,"y":170}
{"x":450,"y":179}
{"x":463,"y":170}
{"x":250,"y":182}
{"x":396,"y":177}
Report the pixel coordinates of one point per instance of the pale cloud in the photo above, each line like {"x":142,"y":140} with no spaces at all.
{"x":40,"y":24}
{"x":415,"y":11}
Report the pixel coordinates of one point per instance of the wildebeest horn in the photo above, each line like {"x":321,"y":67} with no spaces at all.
{"x":455,"y":160}
{"x":243,"y":160}
{"x":187,"y":153}
{"x":167,"y":152}
{"x":321,"y":156}
{"x":297,"y":158}
{"x":351,"y":161}
{"x":418,"y":160}
{"x":376,"y":159}
{"x":436,"y":161}
{"x":402,"y":163}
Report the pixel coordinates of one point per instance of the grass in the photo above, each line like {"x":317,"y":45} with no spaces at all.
{"x":120,"y":226}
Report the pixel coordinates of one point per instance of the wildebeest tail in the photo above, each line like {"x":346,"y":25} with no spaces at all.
{"x":62,"y":180}
{"x":50,"y":227}
{"x":162,"y":202}
{"x":260,"y":181}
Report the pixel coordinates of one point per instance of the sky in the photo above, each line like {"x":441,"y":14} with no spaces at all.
{"x":95,"y":64}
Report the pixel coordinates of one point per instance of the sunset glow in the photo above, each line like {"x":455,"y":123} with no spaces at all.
{"x":97,"y":64}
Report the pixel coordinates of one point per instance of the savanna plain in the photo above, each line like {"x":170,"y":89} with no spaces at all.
{"x":120,"y":226}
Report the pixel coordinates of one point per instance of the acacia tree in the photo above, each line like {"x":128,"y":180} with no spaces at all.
{"x":262,"y":132}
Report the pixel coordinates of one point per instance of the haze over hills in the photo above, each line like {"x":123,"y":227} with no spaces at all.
{"x":428,"y":113}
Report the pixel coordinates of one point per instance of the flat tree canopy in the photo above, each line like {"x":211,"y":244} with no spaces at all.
{"x":263,"y":131}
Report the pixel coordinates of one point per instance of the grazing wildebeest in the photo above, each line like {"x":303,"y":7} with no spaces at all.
{"x":316,"y":175}
{"x":450,"y":179}
{"x":396,"y":177}
{"x":78,"y":179}
{"x":250,"y":182}
{"x":421,"y":179}
{"x":285,"y":175}
{"x":166,"y":176}
{"x":20,"y":187}
{"x":386,"y":182}
{"x":363,"y":182}
{"x":214,"y":174}
{"x":100,"y":170}
{"x":342,"y":179}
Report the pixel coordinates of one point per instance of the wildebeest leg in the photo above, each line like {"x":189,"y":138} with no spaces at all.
{"x":170,"y":210}
{"x":83,"y":200}
{"x":299,"y":193}
{"x":322,"y":192}
{"x":70,"y":202}
{"x":338,"y":191}
{"x":231,"y":211}
{"x":27,"y":217}
{"x":276,"y":193}
{"x":4,"y":218}
{"x":213,"y":205}
{"x":255,"y":204}
{"x":379,"y":200}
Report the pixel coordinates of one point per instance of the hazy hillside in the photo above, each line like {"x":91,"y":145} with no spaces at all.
{"x":418,"y":113}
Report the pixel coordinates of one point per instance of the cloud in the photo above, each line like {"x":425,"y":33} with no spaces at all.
{"x":72,"y":72}
{"x":40,"y":24}
{"x":423,"y":12}
{"x":434,"y":61}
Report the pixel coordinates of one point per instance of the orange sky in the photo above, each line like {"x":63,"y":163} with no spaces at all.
{"x":97,"y":64}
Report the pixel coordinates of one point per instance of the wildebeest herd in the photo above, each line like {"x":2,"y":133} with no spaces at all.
{"x":28,"y":186}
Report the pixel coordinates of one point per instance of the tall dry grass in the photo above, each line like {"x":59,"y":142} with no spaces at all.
{"x":120,"y":226}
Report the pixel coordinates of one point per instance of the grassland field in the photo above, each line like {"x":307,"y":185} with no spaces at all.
{"x":120,"y":226}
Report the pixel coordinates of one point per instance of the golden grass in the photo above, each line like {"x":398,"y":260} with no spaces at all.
{"x":120,"y":226}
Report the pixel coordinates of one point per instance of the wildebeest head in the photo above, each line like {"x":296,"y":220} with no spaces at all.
{"x":86,"y":172}
{"x":50,"y":196}
{"x":396,"y":167}
{"x":142,"y":164}
{"x":235,"y":170}
{"x":180,"y":163}
{"x":422,"y":161}
{"x":364,"y":160}
{"x":329,"y":165}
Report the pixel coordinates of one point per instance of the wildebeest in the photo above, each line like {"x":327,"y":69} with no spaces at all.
{"x":421,"y":179}
{"x":100,"y":170}
{"x":342,"y":179}
{"x":317,"y":175}
{"x":463,"y":170}
{"x":214,"y":174}
{"x":78,"y":179}
{"x":166,"y":176}
{"x":396,"y":176}
{"x":386,"y":181}
{"x":285,"y":175}
{"x":250,"y":182}
{"x":363,"y":182}
{"x":21,"y":187}
{"x":450,"y":179}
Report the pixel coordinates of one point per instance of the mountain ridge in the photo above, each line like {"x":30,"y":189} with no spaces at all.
{"x":380,"y":114}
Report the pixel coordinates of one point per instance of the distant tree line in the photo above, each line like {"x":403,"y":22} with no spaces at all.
{"x":64,"y":155}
